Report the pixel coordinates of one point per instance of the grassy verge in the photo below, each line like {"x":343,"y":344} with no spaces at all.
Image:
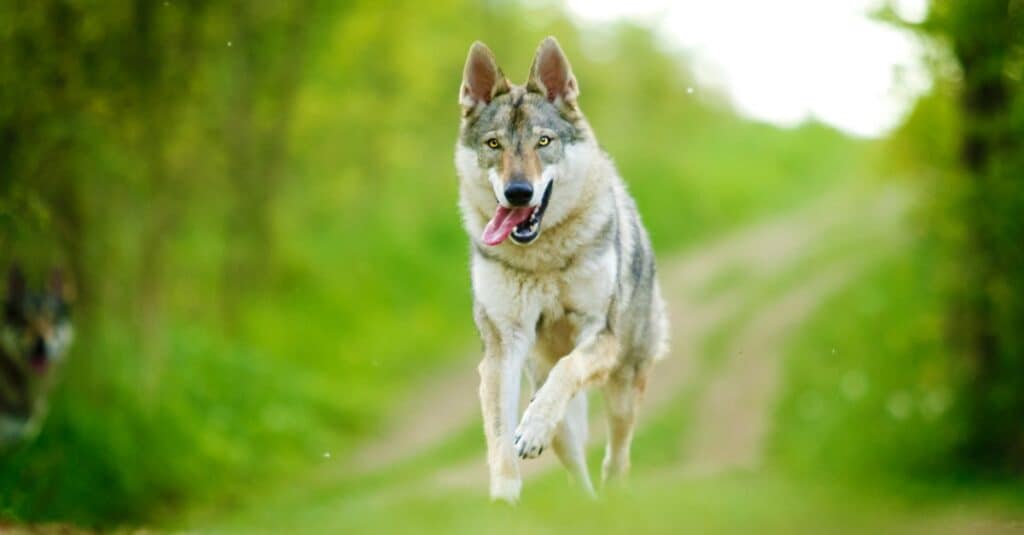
{"x":858,"y":435}
{"x":870,"y":395}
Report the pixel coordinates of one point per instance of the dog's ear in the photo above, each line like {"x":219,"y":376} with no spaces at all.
{"x":482,"y":80}
{"x":551,"y":74}
{"x":15,"y":283}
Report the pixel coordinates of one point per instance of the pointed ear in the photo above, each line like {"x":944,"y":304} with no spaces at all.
{"x":551,"y":74}
{"x":15,"y":283}
{"x":482,"y":80}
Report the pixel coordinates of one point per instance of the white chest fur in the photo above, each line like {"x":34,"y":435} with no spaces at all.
{"x":520,"y":299}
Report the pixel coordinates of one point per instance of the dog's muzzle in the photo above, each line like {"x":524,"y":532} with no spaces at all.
{"x":528,"y":230}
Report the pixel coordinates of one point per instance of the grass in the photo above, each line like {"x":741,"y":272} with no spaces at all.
{"x":875,"y":361}
{"x":740,"y":503}
{"x":843,"y":456}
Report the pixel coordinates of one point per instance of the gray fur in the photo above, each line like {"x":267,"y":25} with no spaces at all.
{"x":35,"y":332}
{"x":512,"y":118}
{"x":580,"y":303}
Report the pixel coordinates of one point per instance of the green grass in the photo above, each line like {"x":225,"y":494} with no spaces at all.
{"x":734,"y":504}
{"x":874,"y":360}
{"x":846,"y":463}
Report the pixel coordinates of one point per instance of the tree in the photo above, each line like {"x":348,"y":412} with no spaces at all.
{"x":986,"y":40}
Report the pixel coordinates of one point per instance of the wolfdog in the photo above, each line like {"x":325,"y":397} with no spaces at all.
{"x":562,"y":270}
{"x":35,"y":332}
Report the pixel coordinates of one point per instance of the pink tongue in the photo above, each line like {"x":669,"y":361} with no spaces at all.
{"x":504,"y":222}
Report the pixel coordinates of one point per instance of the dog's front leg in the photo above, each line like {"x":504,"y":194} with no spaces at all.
{"x":593,"y":358}
{"x":500,"y":374}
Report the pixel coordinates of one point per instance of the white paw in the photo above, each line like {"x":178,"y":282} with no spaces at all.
{"x":534,"y":434}
{"x":614,"y":470}
{"x":506,"y":490}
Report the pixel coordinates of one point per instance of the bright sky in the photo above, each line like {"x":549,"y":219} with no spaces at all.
{"x":785,"y":61}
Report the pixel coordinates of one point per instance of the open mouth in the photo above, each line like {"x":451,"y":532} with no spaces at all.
{"x":39,"y":363}
{"x":528,"y":230}
{"x":521,"y":224}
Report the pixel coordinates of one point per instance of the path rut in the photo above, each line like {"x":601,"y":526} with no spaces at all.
{"x":741,"y":392}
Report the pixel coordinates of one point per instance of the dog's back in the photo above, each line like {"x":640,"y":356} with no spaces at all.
{"x":642,"y":312}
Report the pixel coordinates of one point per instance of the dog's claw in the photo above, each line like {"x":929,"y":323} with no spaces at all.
{"x":532,"y":436}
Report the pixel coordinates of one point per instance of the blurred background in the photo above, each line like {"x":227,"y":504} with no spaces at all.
{"x":255,"y":205}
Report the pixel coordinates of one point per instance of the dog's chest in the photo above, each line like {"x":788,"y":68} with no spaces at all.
{"x":557,"y":302}
{"x":573,"y":300}
{"x":556,"y":334}
{"x":586,"y":287}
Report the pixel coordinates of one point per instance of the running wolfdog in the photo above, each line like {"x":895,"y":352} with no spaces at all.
{"x":562,"y":270}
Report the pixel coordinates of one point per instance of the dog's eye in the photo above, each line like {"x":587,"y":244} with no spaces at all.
{"x":544,"y":141}
{"x":492,"y":143}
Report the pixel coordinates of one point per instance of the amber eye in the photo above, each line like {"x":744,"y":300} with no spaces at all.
{"x":492,"y":143}
{"x":544,"y":141}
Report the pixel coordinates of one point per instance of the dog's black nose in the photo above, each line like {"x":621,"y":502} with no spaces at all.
{"x":38,"y":349}
{"x":518,"y":193}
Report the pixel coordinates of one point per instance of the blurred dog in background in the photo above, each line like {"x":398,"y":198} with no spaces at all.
{"x":34,"y":336}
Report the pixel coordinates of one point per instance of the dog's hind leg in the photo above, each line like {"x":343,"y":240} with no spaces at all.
{"x":622,"y":394}
{"x":570,"y":441}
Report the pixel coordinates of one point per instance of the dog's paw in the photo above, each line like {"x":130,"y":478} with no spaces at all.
{"x":533,"y":435}
{"x":506,"y":490}
{"x":614,"y":471}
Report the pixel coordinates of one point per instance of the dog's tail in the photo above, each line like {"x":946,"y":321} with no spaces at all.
{"x":659,"y":319}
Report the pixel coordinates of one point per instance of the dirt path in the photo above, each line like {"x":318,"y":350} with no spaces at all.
{"x":442,"y":405}
{"x":447,"y":402}
{"x":760,"y":254}
{"x":733,"y":415}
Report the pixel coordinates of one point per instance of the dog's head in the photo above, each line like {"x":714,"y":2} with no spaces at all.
{"x":36,"y":328}
{"x":35,"y":332}
{"x":516,"y":142}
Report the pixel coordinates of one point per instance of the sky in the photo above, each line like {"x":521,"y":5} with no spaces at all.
{"x":787,"y":61}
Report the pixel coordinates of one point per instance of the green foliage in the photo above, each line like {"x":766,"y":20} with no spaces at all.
{"x":966,"y":139}
{"x":870,"y":384}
